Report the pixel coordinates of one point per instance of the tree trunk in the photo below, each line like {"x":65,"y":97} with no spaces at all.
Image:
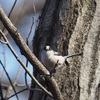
{"x":71,"y":27}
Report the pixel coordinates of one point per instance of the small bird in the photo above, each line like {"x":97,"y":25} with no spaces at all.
{"x":52,"y":59}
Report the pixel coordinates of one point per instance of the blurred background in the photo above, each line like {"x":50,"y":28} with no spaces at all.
{"x":22,"y":18}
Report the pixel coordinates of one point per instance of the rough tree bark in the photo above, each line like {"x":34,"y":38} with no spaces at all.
{"x":71,"y":26}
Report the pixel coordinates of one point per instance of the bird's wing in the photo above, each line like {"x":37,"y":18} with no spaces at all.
{"x":56,"y":53}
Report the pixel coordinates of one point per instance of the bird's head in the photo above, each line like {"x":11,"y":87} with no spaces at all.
{"x":47,"y":48}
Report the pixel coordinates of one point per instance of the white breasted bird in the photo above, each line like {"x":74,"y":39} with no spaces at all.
{"x":52,"y":59}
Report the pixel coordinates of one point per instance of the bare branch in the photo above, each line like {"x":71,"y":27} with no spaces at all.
{"x":9,"y":90}
{"x":4,"y":86}
{"x":17,"y":93}
{"x":23,"y":91}
{"x":4,"y":55}
{"x":34,"y":11}
{"x":17,"y":76}
{"x":10,"y":12}
{"x":21,"y":43}
{"x":26,"y":69}
{"x":1,"y":93}
{"x":29,"y":55}
{"x":22,"y":85}
{"x":11,"y":84}
{"x":3,"y":42}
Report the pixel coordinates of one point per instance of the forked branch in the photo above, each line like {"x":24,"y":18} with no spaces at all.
{"x":29,"y":55}
{"x":26,"y":69}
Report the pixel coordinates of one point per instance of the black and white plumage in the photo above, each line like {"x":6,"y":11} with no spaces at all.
{"x":51,"y":59}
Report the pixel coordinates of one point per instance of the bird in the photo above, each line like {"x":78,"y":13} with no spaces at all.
{"x":52,"y":59}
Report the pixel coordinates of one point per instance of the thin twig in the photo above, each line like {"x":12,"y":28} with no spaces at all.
{"x":3,"y":42}
{"x":26,"y":69}
{"x":20,"y":13}
{"x":4,"y":86}
{"x":23,"y":91}
{"x":21,"y":43}
{"x":14,"y":83}
{"x":10,"y":13}
{"x":34,"y":11}
{"x":17,"y":93}
{"x":4,"y":51}
{"x":1,"y":93}
{"x":22,"y":85}
{"x":17,"y":76}
{"x":26,"y":74}
{"x":9,"y":78}
{"x":13,"y":31}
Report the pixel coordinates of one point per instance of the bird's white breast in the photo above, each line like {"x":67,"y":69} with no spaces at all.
{"x":50,"y":60}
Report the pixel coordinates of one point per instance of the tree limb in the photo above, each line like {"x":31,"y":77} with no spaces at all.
{"x":29,"y":55}
{"x":11,"y":84}
{"x":26,"y":69}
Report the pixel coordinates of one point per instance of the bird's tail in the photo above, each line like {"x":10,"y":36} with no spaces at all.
{"x":72,"y":55}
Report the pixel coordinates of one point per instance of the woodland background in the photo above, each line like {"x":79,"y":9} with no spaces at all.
{"x":68,"y":26}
